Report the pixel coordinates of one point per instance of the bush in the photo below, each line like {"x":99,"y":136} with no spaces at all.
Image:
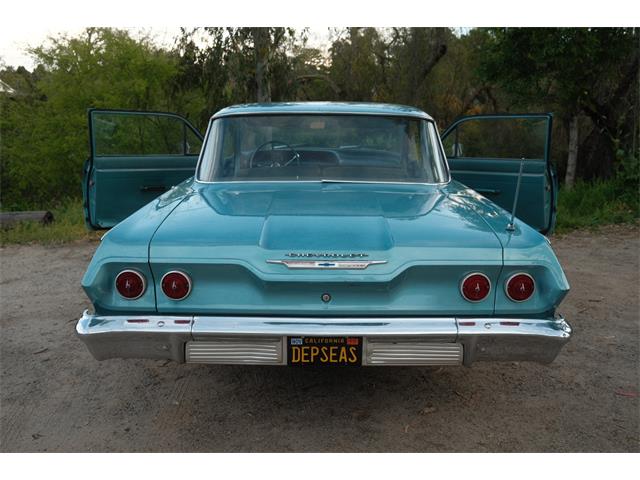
{"x":590,"y":204}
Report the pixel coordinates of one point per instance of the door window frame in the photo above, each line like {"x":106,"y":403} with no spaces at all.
{"x":185,"y":124}
{"x":498,"y":116}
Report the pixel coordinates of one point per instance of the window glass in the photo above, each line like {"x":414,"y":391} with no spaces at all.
{"x":130,"y":134}
{"x":194,"y":143}
{"x":321,"y":147}
{"x":510,"y":138}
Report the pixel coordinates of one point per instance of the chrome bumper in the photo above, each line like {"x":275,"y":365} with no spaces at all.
{"x":262,"y":340}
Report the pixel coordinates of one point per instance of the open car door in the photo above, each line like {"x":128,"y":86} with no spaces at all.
{"x":135,"y":156}
{"x":485,"y":151}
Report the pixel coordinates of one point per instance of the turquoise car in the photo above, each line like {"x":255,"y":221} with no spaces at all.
{"x":333,"y":234}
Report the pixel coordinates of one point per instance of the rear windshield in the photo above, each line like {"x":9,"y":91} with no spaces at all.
{"x":322,"y":147}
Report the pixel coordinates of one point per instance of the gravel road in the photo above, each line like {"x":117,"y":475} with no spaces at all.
{"x":55,"y":397}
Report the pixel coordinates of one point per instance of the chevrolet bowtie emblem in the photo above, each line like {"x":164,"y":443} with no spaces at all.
{"x":323,"y":264}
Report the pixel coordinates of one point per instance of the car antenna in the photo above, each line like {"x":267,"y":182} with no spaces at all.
{"x":511,"y":227}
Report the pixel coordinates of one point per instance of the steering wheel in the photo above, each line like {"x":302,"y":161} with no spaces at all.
{"x":296,"y":155}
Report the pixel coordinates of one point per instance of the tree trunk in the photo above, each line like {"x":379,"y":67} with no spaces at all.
{"x":9,"y":218}
{"x":262,"y":46}
{"x":572,"y":159}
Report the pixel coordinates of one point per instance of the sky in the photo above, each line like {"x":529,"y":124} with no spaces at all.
{"x":28,"y":23}
{"x":14,"y":40}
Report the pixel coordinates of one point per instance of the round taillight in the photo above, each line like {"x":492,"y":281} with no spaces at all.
{"x":475,"y":287}
{"x":130,"y":284}
{"x":520,"y":287}
{"x":176,"y":285}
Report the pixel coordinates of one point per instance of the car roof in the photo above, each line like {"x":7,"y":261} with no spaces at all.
{"x":344,"y":108}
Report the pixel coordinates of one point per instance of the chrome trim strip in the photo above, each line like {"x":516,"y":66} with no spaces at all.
{"x":444,"y":155}
{"x":438,"y":184}
{"x":325,"y":255}
{"x":326,"y":264}
{"x":442,"y":329}
{"x":284,"y":111}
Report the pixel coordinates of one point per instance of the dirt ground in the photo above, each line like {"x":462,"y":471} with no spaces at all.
{"x":55,"y":397}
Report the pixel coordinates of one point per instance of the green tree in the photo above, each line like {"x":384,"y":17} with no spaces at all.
{"x":388,"y":65}
{"x":237,"y":65}
{"x":311,"y":75}
{"x":413,"y":54}
{"x":355,"y":65}
{"x":44,"y":129}
{"x":573,"y":70}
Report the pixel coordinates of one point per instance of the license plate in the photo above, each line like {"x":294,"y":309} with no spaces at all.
{"x":325,"y":351}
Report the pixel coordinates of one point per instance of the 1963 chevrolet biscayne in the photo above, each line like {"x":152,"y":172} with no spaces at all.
{"x":322,"y":234}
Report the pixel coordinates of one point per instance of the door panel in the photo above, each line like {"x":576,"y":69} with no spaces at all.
{"x":485,"y":151}
{"x":135,"y":156}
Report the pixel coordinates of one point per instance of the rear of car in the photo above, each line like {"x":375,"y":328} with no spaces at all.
{"x":297,"y":245}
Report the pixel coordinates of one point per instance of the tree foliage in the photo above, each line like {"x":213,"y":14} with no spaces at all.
{"x":222,"y":65}
{"x":44,"y":129}
{"x":573,"y":71}
{"x":591,"y":72}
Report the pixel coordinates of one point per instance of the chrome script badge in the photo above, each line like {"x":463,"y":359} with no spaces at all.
{"x":325,"y":255}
